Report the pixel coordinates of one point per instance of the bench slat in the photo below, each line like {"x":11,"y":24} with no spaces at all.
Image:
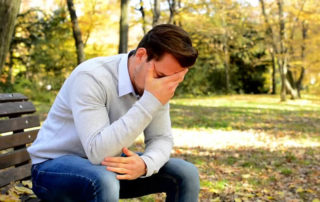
{"x":20,"y":123}
{"x":8,"y":97}
{"x":17,"y":139}
{"x":14,"y":174}
{"x":14,"y":158}
{"x":16,"y":108}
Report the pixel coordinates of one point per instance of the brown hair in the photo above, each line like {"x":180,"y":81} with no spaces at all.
{"x":168,"y":38}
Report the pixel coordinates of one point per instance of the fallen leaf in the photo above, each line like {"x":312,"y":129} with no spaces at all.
{"x":299,"y":190}
{"x":9,"y":198}
{"x":237,"y":200}
{"x":27,"y":183}
{"x":22,"y":190}
{"x":216,"y":199}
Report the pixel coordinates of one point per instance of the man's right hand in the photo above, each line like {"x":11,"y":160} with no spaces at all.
{"x":163,"y":88}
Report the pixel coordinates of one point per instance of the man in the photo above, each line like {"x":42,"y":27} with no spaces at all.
{"x":81,"y":152}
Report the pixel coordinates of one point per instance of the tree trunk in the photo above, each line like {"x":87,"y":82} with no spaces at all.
{"x":143,"y":15}
{"x":273,"y":50}
{"x":156,"y":13}
{"x":285,"y":84}
{"x":227,"y":68}
{"x":226,"y":54}
{"x":179,"y":8}
{"x":281,"y":59}
{"x":76,"y":32}
{"x":8,"y":12}
{"x":303,"y":48}
{"x":172,"y":9}
{"x":123,"y":43}
{"x":274,"y":69}
{"x":296,"y":84}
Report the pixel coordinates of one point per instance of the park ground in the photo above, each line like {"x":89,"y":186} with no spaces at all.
{"x":247,"y":147}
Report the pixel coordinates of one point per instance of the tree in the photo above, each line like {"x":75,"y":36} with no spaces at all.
{"x":143,"y":15}
{"x":272,"y":48}
{"x":172,"y":9}
{"x":281,"y":51}
{"x":8,"y":13}
{"x":123,"y":43}
{"x":156,"y":13}
{"x":76,"y":32}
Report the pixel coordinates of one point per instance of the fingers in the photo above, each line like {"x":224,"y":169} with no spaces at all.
{"x":116,"y":159}
{"x":150,"y":73}
{"x":125,"y":177}
{"x":127,"y":152}
{"x":177,"y":77}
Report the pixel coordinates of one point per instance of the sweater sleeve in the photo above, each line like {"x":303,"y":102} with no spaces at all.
{"x":99,"y":137}
{"x":159,"y":141}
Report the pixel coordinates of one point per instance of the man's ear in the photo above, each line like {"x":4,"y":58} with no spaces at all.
{"x":141,"y":54}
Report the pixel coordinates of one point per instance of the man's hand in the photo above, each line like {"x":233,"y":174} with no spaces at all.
{"x":129,"y":168}
{"x":163,"y":88}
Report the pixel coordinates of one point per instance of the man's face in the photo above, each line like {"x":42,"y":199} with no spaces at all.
{"x":167,"y":66}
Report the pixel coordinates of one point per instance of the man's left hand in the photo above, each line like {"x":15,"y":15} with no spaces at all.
{"x":129,"y":168}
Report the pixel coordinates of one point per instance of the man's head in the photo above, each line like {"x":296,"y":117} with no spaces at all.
{"x":167,"y":49}
{"x":168,"y":38}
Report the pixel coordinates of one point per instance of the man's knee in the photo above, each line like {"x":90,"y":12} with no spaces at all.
{"x":184,"y":171}
{"x":107,"y":187}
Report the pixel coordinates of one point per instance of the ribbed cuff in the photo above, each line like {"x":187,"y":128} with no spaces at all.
{"x":150,"y":168}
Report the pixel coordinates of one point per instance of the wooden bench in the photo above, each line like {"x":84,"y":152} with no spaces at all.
{"x":17,"y":131}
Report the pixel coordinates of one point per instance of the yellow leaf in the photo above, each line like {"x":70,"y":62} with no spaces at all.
{"x":216,"y":199}
{"x":281,"y":193}
{"x":237,"y":200}
{"x":213,"y":190}
{"x":245,"y":176}
{"x":12,"y":193}
{"x":315,"y":200}
{"x":310,"y":191}
{"x":8,"y":198}
{"x":299,"y":190}
{"x":22,"y":190}
{"x":27,"y":183}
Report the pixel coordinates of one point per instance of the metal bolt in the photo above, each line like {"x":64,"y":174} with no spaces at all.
{"x":20,"y":106}
{"x":27,"y":122}
{"x":29,"y":136}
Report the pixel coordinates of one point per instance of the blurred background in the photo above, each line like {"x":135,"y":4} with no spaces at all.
{"x":245,"y":47}
{"x":248,"y":112}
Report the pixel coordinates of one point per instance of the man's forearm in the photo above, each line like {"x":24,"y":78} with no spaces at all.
{"x":112,"y":138}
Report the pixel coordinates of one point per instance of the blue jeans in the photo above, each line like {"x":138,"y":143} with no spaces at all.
{"x":72,"y":178}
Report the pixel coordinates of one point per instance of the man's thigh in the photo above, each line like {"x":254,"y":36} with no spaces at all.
{"x":174,"y":174}
{"x":72,"y":178}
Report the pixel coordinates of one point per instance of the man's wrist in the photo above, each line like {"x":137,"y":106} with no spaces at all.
{"x":145,"y":169}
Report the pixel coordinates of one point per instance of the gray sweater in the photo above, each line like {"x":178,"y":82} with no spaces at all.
{"x":95,"y":116}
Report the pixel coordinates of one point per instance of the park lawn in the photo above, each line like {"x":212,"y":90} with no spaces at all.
{"x":287,"y":168}
{"x":254,"y":147}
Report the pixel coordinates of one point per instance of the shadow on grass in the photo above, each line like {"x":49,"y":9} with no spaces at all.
{"x":272,"y":121}
{"x":288,"y":174}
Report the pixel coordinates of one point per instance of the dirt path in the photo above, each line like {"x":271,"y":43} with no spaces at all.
{"x":220,"y":139}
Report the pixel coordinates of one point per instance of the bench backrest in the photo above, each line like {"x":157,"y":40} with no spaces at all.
{"x":16,"y":132}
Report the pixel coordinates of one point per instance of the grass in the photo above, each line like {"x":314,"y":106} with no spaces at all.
{"x":279,"y":162}
{"x":249,"y":112}
{"x":272,"y":172}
